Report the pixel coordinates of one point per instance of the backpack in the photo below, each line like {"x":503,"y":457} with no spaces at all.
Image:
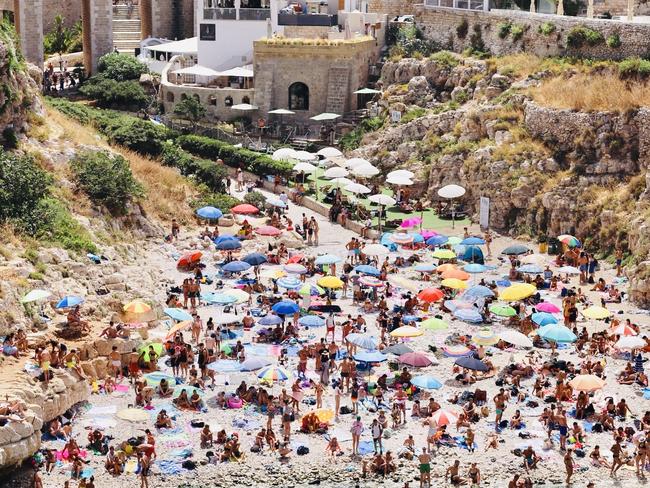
{"x":302,"y":450}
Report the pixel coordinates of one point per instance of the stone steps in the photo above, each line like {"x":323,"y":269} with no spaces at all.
{"x":127,"y":35}
{"x":126,"y":25}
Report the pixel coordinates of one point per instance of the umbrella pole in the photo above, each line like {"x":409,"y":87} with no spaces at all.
{"x":453,"y":215}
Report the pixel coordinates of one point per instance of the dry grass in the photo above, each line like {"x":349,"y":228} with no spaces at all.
{"x":522,"y":65}
{"x":590,"y":93}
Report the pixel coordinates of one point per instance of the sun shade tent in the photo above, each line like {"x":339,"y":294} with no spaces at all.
{"x":185,"y":46}
{"x":197,"y":70}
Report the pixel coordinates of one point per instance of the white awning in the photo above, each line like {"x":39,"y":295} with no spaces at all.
{"x":241,"y":71}
{"x":186,"y":46}
{"x":198,"y":70}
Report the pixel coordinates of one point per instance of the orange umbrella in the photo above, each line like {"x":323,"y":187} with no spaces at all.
{"x":296,"y":258}
{"x":446,"y":267}
{"x":189,"y":258}
{"x":185,"y":324}
{"x":457,"y":274}
{"x":430,"y":295}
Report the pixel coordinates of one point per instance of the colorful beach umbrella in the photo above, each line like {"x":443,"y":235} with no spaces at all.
{"x":268,"y":230}
{"x":557,"y":333}
{"x":454,"y":284}
{"x":286,"y":307}
{"x":518,"y":292}
{"x":273,"y":373}
{"x":438,"y":240}
{"x":547,"y":307}
{"x":444,"y":417}
{"x":444,"y":254}
{"x":177,"y":314}
{"x":371,"y":281}
{"x":137,"y":307}
{"x":622,"y":330}
{"x":415,"y":359}
{"x":244,"y":208}
{"x":69,"y":301}
{"x":188,"y":259}
{"x":456,"y":274}
{"x":331,"y":282}
{"x":409,"y":222}
{"x":434,"y":323}
{"x":485,"y":337}
{"x":406,"y":331}
{"x":470,"y":315}
{"x":324,"y":415}
{"x":211,"y":213}
{"x":431,"y":295}
{"x":310,"y":290}
{"x":401,"y":238}
{"x":569,"y":240}
{"x":426,"y":382}
{"x":290,"y":283}
{"x":503,"y":310}
{"x":456,"y":351}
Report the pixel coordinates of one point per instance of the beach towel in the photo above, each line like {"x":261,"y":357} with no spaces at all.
{"x":245,"y":424}
{"x":460,"y":442}
{"x":104,"y":411}
{"x":87,"y":472}
{"x":131,"y":466}
{"x":121,"y":388}
{"x":100,"y":423}
{"x":183,"y":453}
{"x":169,"y":467}
{"x":171,"y":441}
{"x":366,"y":447}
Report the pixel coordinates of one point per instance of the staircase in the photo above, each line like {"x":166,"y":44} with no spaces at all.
{"x":126,"y":28}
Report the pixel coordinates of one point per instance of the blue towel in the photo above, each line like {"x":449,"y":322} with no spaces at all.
{"x":87,"y":472}
{"x":588,"y":426}
{"x":460,"y":442}
{"x":182,"y":453}
{"x":169,"y":467}
{"x":366,"y":447}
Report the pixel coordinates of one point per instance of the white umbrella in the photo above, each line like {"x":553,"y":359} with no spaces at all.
{"x":304,"y":168}
{"x":351,"y":163}
{"x":197,"y":70}
{"x":375,"y":250}
{"x":238,"y":72}
{"x":281,"y":111}
{"x":366,"y":91}
{"x":401,"y":173}
{"x":516,"y":338}
{"x":35,"y":295}
{"x":342,"y":181}
{"x":357,"y":188}
{"x":336,"y":172}
{"x":329,"y":152}
{"x":284,"y":154}
{"x":451,"y":191}
{"x":305,"y":156}
{"x":399,"y":181}
{"x":226,"y":318}
{"x":630,"y":342}
{"x":568,"y":270}
{"x":539,"y":259}
{"x":325,"y":116}
{"x":382,"y":199}
{"x":365,"y":170}
{"x":244,"y":107}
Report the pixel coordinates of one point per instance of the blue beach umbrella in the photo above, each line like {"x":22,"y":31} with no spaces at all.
{"x":557,"y":333}
{"x":370,"y":357}
{"x":275,"y":202}
{"x":69,"y":301}
{"x":472,"y":363}
{"x":472,"y":241}
{"x":225,"y":366}
{"x":228,"y":245}
{"x":417,"y":237}
{"x":285,"y":307}
{"x":468,"y":315}
{"x":504,"y":283}
{"x":270,"y":320}
{"x":209,"y":213}
{"x":255,"y":259}
{"x":366,"y":269}
{"x":515,"y":250}
{"x":478,"y":291}
{"x":362,"y":340}
{"x":177,"y":314}
{"x":543,"y":318}
{"x":474,"y":268}
{"x":225,"y":237}
{"x":327,"y":259}
{"x":438,"y":240}
{"x":311,"y":321}
{"x":236,"y":266}
{"x":221,"y":299}
{"x":426,"y":382}
{"x":290,"y":283}
{"x":254,"y":363}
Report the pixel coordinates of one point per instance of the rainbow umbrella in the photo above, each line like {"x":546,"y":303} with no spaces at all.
{"x":406,"y":331}
{"x":444,"y":254}
{"x":434,"y":323}
{"x":569,"y":240}
{"x":311,"y":290}
{"x":273,"y":373}
{"x":371,"y":282}
{"x":401,"y":238}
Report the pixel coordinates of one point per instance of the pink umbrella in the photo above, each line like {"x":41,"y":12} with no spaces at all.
{"x":426,"y":233}
{"x":444,"y":417}
{"x":411,"y":222}
{"x":371,"y":281}
{"x":547,"y":307}
{"x":415,"y":359}
{"x":268,"y":230}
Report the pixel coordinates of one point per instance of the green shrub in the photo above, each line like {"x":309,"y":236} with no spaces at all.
{"x":547,"y":28}
{"x":61,"y":39}
{"x":517,"y":32}
{"x":62,"y":228}
{"x":446,"y":59}
{"x":634,"y":68}
{"x":221,"y":201}
{"x":111,"y":93}
{"x":462,"y":28}
{"x":139,"y":135}
{"x":190,"y":108}
{"x":9,"y":138}
{"x":614,"y":41}
{"x":352,"y":139}
{"x":503,"y":29}
{"x":255,"y":198}
{"x":580,"y":35}
{"x":413,"y":114}
{"x":409,"y":41}
{"x":106,"y":179}
{"x":121,"y":67}
{"x":476,"y":40}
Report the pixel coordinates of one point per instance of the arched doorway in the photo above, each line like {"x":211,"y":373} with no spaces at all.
{"x":298,"y":96}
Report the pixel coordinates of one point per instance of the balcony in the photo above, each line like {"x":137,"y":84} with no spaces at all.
{"x":254,"y":13}
{"x":219,"y":13}
{"x":311,"y":20}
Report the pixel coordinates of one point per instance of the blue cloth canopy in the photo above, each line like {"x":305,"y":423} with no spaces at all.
{"x":327,"y":259}
{"x":515,"y":249}
{"x":236,"y":266}
{"x":426,"y":382}
{"x":285,"y":307}
{"x":228,"y":245}
{"x":69,"y":301}
{"x":543,"y":318}
{"x":468,"y":315}
{"x":225,"y":237}
{"x":472,"y":241}
{"x":474,"y":268}
{"x":255,"y":259}
{"x":438,"y":240}
{"x":530,"y":269}
{"x":270,"y":320}
{"x":478,"y":291}
{"x":366,"y":269}
{"x":177,"y":314}
{"x":472,"y":363}
{"x":473,"y":254}
{"x":290,"y":283}
{"x":209,"y":213}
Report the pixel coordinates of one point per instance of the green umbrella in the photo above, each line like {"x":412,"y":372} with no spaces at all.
{"x":226,"y":348}
{"x":503,"y":310}
{"x":157,"y":347}
{"x":434,"y":323}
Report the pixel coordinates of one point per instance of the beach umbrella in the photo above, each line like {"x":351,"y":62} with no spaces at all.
{"x":456,"y":351}
{"x":456,"y":274}
{"x":137,"y":307}
{"x":183,"y":325}
{"x":474,"y":268}
{"x":397,"y":349}
{"x":305,"y":156}
{"x":597,"y":313}
{"x":275,"y":202}
{"x":274,"y":274}
{"x":325,"y":116}
{"x":409,"y":222}
{"x":370,"y":357}
{"x":530,"y":269}
{"x":518,"y":292}
{"x":538,"y":259}
{"x":219,"y":298}
{"x":290,"y":283}
{"x":352,"y":162}
{"x":273,"y":373}
{"x":157,"y":347}
{"x":310,"y":290}
{"x":438,"y":240}
{"x":425,"y":268}
{"x":472,"y":363}
{"x":295,"y":268}
{"x":630,"y":342}
{"x":444,"y":254}
{"x":503,"y":310}
{"x":189,"y":259}
{"x":401,"y":173}
{"x":270,"y":320}
{"x":225,"y":237}
{"x":543,"y":318}
{"x":430,"y":295}
{"x":515,"y":338}
{"x":154,"y":379}
{"x":324,"y":415}
{"x":211,"y":213}
{"x":226,"y":318}
{"x":570,"y":270}
{"x":557,"y":333}
{"x":515,"y":250}
{"x":331,"y":282}
{"x":415,"y":359}
{"x":406,"y":331}
{"x":401,"y":238}
{"x":255,"y":259}
{"x":446,"y":267}
{"x":304,"y":167}
{"x":286,"y":307}
{"x":371,"y":281}
{"x":336,"y":172}
{"x":244,"y":208}
{"x":472,"y":241}
{"x":327,"y":259}
{"x":225,"y":365}
{"x":236,"y":266}
{"x":253,"y":363}
{"x":454,"y":284}
{"x":470,"y":315}
{"x":478,"y":291}
{"x":485,"y":337}
{"x":365,"y":341}
{"x":268,"y":230}
{"x":239,"y":295}
{"x":296,"y":258}
{"x":366,"y":269}
{"x":569,"y":240}
{"x":311,"y":321}
{"x":177,"y":314}
{"x":622,"y":330}
{"x":587,"y":383}
{"x":341,"y":181}
{"x":365,"y":170}
{"x":357,"y":188}
{"x":399,"y":181}
{"x":329,"y":152}
{"x":444,"y":417}
{"x":426,"y":382}
{"x":281,"y":111}
{"x":375,"y":250}
{"x":284,"y":154}
{"x":547,"y":307}
{"x":381,"y":199}
{"x":228,"y":245}
{"x":69,"y":301}
{"x":434,"y":323}
{"x":133,"y":415}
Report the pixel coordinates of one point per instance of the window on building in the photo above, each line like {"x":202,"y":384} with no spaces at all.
{"x":298,"y":96}
{"x":170,"y":97}
{"x":246,"y":100}
{"x":228,"y":101}
{"x":213,"y":100}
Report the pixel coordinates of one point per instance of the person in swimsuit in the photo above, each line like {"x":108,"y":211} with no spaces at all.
{"x":144,"y":464}
{"x":44,"y":359}
{"x":500,"y":405}
{"x":617,"y":462}
{"x":530,"y":458}
{"x":568,"y":464}
{"x":452,"y":474}
{"x":425,"y":467}
{"x":474,"y":475}
{"x":116,"y":362}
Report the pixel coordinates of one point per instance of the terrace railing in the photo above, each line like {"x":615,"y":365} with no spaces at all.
{"x":254,"y":13}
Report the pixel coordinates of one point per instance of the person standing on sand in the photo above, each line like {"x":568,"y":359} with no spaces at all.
{"x":500,"y":406}
{"x":313,"y":225}
{"x":488,"y":240}
{"x":617,"y":462}
{"x":619,"y":261}
{"x":176,"y":229}
{"x":568,"y":464}
{"x":356,"y":430}
{"x":44,"y":359}
{"x":425,"y":467}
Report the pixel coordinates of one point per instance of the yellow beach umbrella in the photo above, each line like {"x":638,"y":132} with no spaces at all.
{"x":454,"y":284}
{"x":406,"y":331}
{"x":185,"y":324}
{"x":137,"y":307}
{"x":597,"y":313}
{"x":587,"y":382}
{"x":404,"y":283}
{"x":274,"y":274}
{"x":325,"y":415}
{"x":444,"y":254}
{"x":330,"y":282}
{"x":518,"y":292}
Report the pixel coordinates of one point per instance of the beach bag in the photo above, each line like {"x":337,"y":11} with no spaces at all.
{"x":302,"y":450}
{"x":255,"y":448}
{"x":499,"y":382}
{"x":189,"y":464}
{"x":197,"y":424}
{"x":344,"y":410}
{"x":580,"y":453}
{"x":550,"y":399}
{"x":532,"y":404}
{"x":597,"y":427}
{"x":503,"y":424}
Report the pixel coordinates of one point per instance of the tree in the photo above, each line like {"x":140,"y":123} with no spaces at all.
{"x":121,"y":67}
{"x":58,"y":38}
{"x":190,"y":108}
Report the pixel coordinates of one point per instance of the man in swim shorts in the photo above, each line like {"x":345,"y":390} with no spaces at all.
{"x":425,"y":468}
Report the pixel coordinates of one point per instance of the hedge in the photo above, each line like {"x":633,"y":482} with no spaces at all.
{"x":259,"y":164}
{"x":206,"y":172}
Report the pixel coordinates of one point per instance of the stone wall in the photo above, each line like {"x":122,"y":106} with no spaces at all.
{"x":28,"y":16}
{"x":162,"y":18}
{"x":70,"y":10}
{"x":442,"y":25}
{"x":101,"y":30}
{"x":307,"y":32}
{"x":187,"y":19}
{"x":393,"y":8}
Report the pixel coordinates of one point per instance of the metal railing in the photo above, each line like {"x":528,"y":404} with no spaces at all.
{"x":457,"y":4}
{"x":254,"y":13}
{"x":321,"y":20}
{"x":220,"y":13}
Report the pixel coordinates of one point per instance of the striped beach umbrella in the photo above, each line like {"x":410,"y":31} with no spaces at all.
{"x":273,"y":373}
